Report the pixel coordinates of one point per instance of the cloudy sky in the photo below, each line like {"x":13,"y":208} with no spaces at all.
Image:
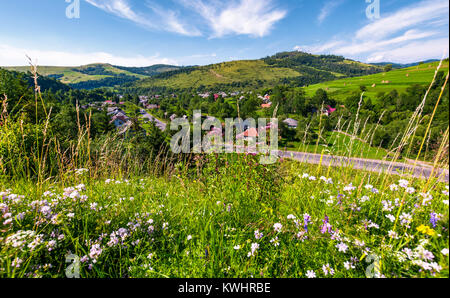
{"x":199,"y":32}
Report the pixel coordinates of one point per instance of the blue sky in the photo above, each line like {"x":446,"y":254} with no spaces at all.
{"x":199,"y":32}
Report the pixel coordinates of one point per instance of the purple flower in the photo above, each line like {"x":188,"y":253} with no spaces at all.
{"x":326,"y":227}
{"x":433,"y":219}
{"x":306,"y":220}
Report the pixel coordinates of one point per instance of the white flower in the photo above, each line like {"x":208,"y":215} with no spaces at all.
{"x":237,"y":247}
{"x":391,"y":217}
{"x":254,"y":247}
{"x":310,"y":274}
{"x":258,"y":235}
{"x":368,"y":186}
{"x":444,"y":251}
{"x":393,"y":187}
{"x":189,"y":237}
{"x":410,"y":190}
{"x":291,"y":216}
{"x":349,"y":265}
{"x":342,"y":247}
{"x":403,"y":183}
{"x":349,"y":187}
{"x":277,"y":227}
{"x":305,"y":175}
{"x":364,"y":199}
{"x":327,"y":270}
{"x":393,"y":234}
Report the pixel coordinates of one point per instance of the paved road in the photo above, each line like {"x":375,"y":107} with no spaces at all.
{"x":161,"y":125}
{"x":419,"y":171}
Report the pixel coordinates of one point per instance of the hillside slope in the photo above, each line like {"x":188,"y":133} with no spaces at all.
{"x":398,"y":79}
{"x":97,"y":75}
{"x":294,"y":68}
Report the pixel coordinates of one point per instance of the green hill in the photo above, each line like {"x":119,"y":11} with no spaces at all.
{"x":398,"y":79}
{"x":294,"y":68}
{"x":97,"y":75}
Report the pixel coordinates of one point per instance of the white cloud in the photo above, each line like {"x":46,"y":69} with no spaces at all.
{"x":13,"y":56}
{"x":160,"y":19}
{"x":255,"y":18}
{"x":327,"y":9}
{"x":416,"y":32}
{"x":408,"y":17}
{"x":415,"y":51}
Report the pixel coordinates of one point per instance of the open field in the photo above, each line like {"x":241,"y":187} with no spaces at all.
{"x":242,"y":220}
{"x":398,"y":79}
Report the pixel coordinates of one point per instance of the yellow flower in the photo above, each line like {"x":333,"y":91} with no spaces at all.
{"x":426,"y":230}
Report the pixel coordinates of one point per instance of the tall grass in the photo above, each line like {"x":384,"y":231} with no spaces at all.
{"x":128,"y":215}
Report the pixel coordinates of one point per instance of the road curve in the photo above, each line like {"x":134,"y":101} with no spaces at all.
{"x":418,"y":171}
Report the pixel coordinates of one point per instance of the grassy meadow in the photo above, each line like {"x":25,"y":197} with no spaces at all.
{"x":398,"y":79}
{"x":227,"y":216}
{"x":119,"y":210}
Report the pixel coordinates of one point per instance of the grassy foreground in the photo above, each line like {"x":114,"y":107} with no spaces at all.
{"x":227,"y":216}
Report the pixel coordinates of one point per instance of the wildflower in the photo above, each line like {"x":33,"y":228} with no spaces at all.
{"x":51,"y":244}
{"x":326,"y":227}
{"x":403,"y":183}
{"x":81,"y":171}
{"x":434,"y":218}
{"x":80,"y":187}
{"x":393,"y":187}
{"x":364,"y":199}
{"x":427,"y":197}
{"x":277,"y":227}
{"x":349,"y":265}
{"x":368,"y":186}
{"x":291,"y":216}
{"x":305,"y":175}
{"x":392,"y":234}
{"x":306,"y":221}
{"x":310,"y":274}
{"x":16,"y":262}
{"x":426,"y":230}
{"x":349,"y":188}
{"x":405,"y":219}
{"x":189,"y":237}
{"x":254,"y":248}
{"x":275,"y":242}
{"x":95,"y":251}
{"x":258,"y":235}
{"x":410,"y":190}
{"x":326,"y":180}
{"x":387,"y":206}
{"x":342,"y":247}
{"x":444,"y":251}
{"x":150,"y":256}
{"x":327,"y":270}
{"x":312,"y":178}
{"x":373,"y":225}
{"x":359,"y":243}
{"x":237,"y":247}
{"x":390,"y":217}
